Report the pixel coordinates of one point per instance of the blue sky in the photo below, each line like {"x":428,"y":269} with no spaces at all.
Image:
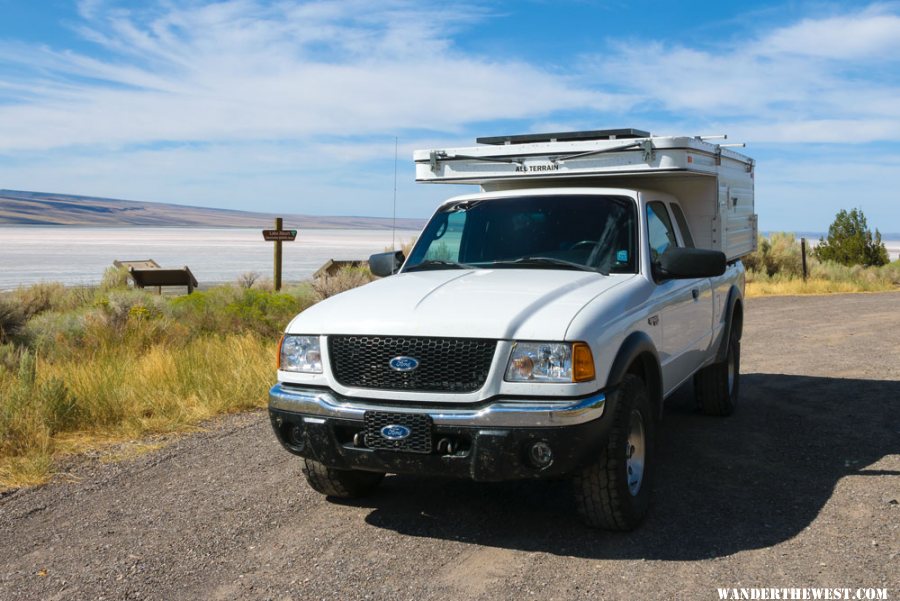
{"x":290,"y":106}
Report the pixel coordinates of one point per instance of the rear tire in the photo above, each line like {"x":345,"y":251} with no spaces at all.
{"x":613,"y":493}
{"x":344,"y":484}
{"x":718,"y":386}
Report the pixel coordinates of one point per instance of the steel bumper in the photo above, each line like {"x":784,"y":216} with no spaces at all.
{"x":491,"y":442}
{"x":506,"y":413}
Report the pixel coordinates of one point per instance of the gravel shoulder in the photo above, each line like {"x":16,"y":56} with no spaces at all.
{"x":800,"y":488}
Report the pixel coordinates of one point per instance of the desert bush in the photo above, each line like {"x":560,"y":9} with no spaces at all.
{"x":114,"y":278}
{"x":406,"y":247}
{"x":265,"y":313}
{"x":12,"y":319}
{"x":851,"y":242}
{"x":10,"y":355}
{"x":122,"y":363}
{"x":41,"y":297}
{"x":53,"y":333}
{"x":234,"y":310}
{"x":776,"y":268}
{"x":346,"y":278}
{"x":124,"y":305}
{"x":247,"y":279}
{"x":778,"y":254}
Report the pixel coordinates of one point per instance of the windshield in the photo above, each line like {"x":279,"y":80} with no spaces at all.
{"x":560,"y":231}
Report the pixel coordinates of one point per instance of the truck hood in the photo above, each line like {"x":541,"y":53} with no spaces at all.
{"x":523,"y":304}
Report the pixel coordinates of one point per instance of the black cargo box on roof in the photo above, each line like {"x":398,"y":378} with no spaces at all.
{"x":567,"y":136}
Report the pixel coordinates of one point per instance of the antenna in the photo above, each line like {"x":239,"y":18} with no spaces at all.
{"x":394,"y":222}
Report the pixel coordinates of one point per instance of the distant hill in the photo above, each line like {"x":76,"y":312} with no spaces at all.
{"x":42,"y":208}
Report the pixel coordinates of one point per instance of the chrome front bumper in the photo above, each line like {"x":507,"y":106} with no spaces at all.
{"x":316,"y":404}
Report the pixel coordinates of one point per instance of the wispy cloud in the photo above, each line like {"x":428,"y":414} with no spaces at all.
{"x":227,"y":103}
{"x":243,"y":70}
{"x":828,"y":79}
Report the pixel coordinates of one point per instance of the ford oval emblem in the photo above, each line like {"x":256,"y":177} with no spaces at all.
{"x":403,"y":363}
{"x":395,"y":432}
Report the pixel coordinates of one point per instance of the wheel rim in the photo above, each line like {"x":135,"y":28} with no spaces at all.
{"x":635,"y":452}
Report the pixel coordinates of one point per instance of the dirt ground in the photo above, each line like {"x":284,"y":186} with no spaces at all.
{"x":800,"y":488}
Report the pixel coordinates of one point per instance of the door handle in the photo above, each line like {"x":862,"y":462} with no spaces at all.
{"x":695,"y":293}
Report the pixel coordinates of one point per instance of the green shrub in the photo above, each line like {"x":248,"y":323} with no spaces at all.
{"x":265,"y":313}
{"x":850,"y":242}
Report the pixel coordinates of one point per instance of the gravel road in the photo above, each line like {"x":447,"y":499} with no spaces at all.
{"x":800,"y":488}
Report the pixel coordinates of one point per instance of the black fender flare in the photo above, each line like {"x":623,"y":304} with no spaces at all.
{"x":638,"y":348}
{"x":734,"y":299}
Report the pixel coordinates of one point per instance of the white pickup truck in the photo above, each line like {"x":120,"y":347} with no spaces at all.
{"x":537,"y":326}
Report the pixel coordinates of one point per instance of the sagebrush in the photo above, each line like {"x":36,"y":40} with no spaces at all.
{"x":776,"y":268}
{"x":114,"y":363}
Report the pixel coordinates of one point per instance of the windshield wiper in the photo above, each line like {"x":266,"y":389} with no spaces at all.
{"x":544,"y":262}
{"x":430,"y":264}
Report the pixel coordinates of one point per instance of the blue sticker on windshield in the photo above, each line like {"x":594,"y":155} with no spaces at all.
{"x":622,"y":256}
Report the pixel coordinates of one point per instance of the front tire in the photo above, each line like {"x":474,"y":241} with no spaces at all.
{"x":344,"y":484}
{"x":613,"y":493}
{"x":718,"y":386}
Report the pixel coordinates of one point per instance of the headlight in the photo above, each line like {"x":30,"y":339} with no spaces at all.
{"x":550,"y":362}
{"x":301,"y":354}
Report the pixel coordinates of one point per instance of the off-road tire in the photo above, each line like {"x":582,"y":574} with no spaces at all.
{"x":344,"y":484}
{"x":717,"y":393}
{"x":602,"y":494}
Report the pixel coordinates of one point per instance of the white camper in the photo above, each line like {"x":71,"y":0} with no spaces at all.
{"x":713,"y":184}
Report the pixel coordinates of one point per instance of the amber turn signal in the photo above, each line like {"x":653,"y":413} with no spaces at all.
{"x":280,"y":342}
{"x":582,"y":362}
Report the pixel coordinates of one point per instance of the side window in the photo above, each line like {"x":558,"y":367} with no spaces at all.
{"x":682,"y":225}
{"x":445,"y":246}
{"x":659,"y":227}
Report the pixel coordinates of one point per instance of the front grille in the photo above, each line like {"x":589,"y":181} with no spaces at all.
{"x":419,"y":425}
{"x":444,"y":364}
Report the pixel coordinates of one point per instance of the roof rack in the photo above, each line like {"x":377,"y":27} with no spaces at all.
{"x":569,"y":136}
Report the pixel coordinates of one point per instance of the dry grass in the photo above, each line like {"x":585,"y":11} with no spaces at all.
{"x":345,"y":279}
{"x":776,"y":269}
{"x":102,"y":398}
{"x":125,"y":364}
{"x":793,"y":287}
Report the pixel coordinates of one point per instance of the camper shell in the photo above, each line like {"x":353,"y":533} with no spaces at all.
{"x":713,"y":184}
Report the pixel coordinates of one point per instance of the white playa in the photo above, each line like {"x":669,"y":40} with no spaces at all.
{"x":76,"y":255}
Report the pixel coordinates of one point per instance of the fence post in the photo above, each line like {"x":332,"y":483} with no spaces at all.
{"x":803,"y":256}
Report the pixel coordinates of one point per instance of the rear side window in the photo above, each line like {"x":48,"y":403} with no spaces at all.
{"x":682,"y":225}
{"x":659,"y":226}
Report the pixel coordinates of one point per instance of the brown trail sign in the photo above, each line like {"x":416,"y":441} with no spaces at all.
{"x":279,"y":235}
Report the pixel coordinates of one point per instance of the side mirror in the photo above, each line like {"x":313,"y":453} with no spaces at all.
{"x":385,"y":264}
{"x":688,"y":263}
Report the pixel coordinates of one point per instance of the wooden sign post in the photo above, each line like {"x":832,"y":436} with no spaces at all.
{"x":279,"y":235}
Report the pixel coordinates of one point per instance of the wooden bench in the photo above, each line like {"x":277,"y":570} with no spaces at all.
{"x":147,"y":272}
{"x":333,"y":266}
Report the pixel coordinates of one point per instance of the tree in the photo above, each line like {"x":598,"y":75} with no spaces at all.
{"x":850,"y":242}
